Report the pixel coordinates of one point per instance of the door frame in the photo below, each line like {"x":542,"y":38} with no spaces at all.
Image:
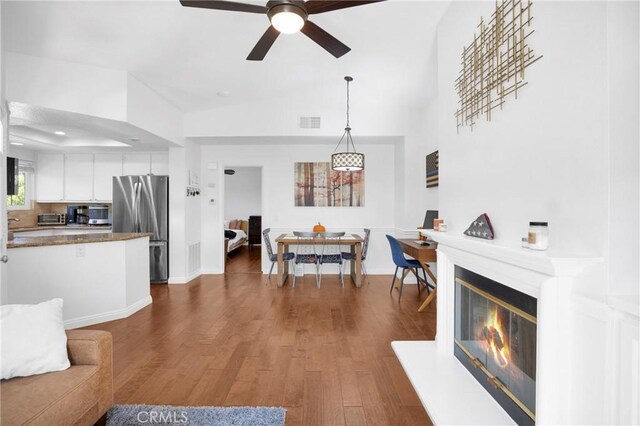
{"x":222,"y":201}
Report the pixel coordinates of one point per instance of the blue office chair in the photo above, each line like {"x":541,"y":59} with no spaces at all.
{"x":348,"y":256}
{"x":274,"y":257}
{"x":402,"y":262}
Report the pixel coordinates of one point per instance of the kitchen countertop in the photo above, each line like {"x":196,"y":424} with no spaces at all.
{"x":57,"y":240}
{"x":47,"y":227}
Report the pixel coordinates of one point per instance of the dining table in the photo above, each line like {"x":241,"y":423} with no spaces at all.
{"x":354,"y":241}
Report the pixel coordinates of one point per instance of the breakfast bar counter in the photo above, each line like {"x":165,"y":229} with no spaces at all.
{"x":101,"y":276}
{"x":55,"y":240}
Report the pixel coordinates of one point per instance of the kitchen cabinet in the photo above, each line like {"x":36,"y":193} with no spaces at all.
{"x":136,"y":164}
{"x":50,"y":177}
{"x":89,"y":177}
{"x":160,"y":164}
{"x":105,"y":167}
{"x":78,"y":177}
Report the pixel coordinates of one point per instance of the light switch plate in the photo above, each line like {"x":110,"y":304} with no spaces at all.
{"x":80,"y":251}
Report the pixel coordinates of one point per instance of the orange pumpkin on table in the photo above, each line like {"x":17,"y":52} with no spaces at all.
{"x":319,"y":228}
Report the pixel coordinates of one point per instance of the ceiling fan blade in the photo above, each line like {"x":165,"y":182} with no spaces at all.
{"x":224,"y":5}
{"x":324,"y":39}
{"x":263,"y":45}
{"x":320,"y":6}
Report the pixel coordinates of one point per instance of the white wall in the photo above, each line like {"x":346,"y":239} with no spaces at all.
{"x":624,"y":140}
{"x":543,"y":156}
{"x":243,"y":193}
{"x":184,"y":212}
{"x":565,"y":151}
{"x":278,"y":210}
{"x":149,"y":111}
{"x":4,"y":136}
{"x":67,"y":86}
{"x":93,"y":91}
{"x":371,"y":114}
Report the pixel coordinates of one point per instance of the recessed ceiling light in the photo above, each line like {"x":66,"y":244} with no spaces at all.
{"x":17,"y":143}
{"x":59,"y":133}
{"x":223,"y":93}
{"x":134,"y":139}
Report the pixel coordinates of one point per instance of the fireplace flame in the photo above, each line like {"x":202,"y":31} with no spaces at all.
{"x":493,"y":333}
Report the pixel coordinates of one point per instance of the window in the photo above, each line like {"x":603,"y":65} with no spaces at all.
{"x":18,"y":200}
{"x":25,"y":178}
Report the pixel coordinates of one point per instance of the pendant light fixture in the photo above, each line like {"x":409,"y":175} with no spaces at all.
{"x":347,"y":161}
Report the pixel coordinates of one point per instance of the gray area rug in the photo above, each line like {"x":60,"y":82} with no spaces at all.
{"x":136,"y":415}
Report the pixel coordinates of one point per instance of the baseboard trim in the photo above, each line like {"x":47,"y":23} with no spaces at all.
{"x":108,"y":316}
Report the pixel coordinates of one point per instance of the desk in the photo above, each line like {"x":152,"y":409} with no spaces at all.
{"x":354,"y":241}
{"x":423,"y":254}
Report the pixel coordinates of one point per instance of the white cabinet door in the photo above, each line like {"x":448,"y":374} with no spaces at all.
{"x":78,"y":177}
{"x":160,"y":164}
{"x":105,"y":167}
{"x":136,"y":164}
{"x":50,"y":177}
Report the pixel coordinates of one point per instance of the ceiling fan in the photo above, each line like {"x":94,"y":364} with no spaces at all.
{"x":288,"y":17}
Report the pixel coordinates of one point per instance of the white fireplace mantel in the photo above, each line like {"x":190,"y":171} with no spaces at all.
{"x":445,"y":387}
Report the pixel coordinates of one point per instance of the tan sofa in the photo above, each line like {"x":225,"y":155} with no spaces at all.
{"x":79,"y":395}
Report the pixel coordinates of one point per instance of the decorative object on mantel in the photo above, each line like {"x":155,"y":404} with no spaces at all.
{"x":316,"y":185}
{"x":433,"y":160}
{"x":538,"y":238}
{"x":481,"y":228}
{"x":348,"y":160}
{"x":493,"y":64}
{"x":436,"y":224}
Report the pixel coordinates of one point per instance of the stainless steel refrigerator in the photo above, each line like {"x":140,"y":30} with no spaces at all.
{"x":141,"y":204}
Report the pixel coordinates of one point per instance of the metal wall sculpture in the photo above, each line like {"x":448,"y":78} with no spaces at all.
{"x":493,"y":64}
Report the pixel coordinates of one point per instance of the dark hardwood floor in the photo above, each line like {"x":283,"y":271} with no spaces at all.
{"x":323,"y":354}
{"x":245,"y":259}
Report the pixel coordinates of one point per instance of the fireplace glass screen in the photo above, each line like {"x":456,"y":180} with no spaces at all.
{"x":495,"y":338}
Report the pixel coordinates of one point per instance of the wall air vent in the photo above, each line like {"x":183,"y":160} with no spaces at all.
{"x":194,"y":258}
{"x":309,"y":122}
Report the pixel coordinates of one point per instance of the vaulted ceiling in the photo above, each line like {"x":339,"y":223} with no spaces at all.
{"x":195,"y":58}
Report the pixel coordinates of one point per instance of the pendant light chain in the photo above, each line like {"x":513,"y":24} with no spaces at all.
{"x":348,"y":105}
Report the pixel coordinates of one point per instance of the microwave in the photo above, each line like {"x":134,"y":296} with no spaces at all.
{"x":99,"y":215}
{"x":52,"y":219}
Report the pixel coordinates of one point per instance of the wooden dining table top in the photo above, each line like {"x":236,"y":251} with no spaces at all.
{"x":291,"y":239}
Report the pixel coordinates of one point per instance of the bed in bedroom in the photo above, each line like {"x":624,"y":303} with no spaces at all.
{"x":235,"y":234}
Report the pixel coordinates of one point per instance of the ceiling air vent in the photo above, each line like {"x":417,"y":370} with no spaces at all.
{"x":309,"y":122}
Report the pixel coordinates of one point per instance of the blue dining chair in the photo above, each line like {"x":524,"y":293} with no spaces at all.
{"x":348,"y":256}
{"x":402,"y":262}
{"x":308,"y":258}
{"x":330,"y":241}
{"x":274,"y":257}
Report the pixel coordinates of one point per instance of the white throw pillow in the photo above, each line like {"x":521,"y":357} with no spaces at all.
{"x":33,"y":339}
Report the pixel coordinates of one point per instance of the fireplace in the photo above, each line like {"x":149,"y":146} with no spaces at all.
{"x":495,"y":339}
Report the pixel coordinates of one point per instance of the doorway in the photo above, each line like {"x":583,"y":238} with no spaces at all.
{"x":243,"y":219}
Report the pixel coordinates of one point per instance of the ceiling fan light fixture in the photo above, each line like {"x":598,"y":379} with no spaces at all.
{"x":287,"y":18}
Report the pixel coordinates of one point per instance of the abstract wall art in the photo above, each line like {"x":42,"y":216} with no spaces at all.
{"x":493,"y":65}
{"x":316,"y":185}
